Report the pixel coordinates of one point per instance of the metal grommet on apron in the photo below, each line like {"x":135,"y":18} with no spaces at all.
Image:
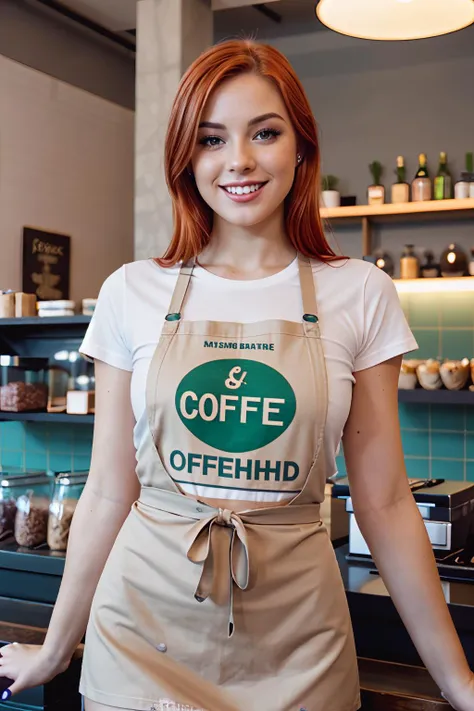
{"x":212,"y":608}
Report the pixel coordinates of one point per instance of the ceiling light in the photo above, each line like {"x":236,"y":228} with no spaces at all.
{"x":395,"y":19}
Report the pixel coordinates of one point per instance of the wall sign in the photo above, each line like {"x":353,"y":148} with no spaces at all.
{"x":46,"y":264}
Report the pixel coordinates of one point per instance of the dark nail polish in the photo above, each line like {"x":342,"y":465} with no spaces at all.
{"x":6,"y":695}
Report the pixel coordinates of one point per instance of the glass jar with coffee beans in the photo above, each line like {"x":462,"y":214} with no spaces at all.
{"x":23,"y":384}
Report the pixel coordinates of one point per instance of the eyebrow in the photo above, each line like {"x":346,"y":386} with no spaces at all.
{"x":252,"y":122}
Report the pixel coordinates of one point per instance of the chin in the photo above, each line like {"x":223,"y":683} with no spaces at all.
{"x":245,"y":216}
{"x":245,"y":221}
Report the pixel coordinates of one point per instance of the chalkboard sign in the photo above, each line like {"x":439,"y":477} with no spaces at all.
{"x":46,"y":264}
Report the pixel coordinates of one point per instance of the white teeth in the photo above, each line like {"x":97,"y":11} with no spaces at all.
{"x":245,"y":190}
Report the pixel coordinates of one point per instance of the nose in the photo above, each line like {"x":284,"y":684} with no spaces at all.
{"x":241,"y":158}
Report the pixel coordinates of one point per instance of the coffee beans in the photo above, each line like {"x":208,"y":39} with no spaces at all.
{"x":7,"y":516}
{"x":59,"y":523}
{"x":21,"y":397}
{"x":31,"y":522}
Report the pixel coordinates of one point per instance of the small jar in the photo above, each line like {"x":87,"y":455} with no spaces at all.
{"x":375,"y":195}
{"x":23,"y":384}
{"x":32,"y":509}
{"x":13,"y":483}
{"x":409,"y":264}
{"x":421,"y":189}
{"x":67,"y":490}
{"x":400,"y":193}
{"x":461,"y":190}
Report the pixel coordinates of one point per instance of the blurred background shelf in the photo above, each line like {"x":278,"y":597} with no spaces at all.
{"x":407,"y":211}
{"x":41,"y":337}
{"x":50,"y":417}
{"x":367,"y":215}
{"x":418,"y":395}
{"x":437,"y":397}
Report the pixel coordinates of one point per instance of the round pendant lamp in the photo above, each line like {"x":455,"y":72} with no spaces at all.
{"x":395,"y":19}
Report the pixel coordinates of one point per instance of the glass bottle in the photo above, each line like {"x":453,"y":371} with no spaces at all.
{"x":470,"y":173}
{"x":443,"y":184}
{"x":400,"y":189}
{"x":421,"y":185}
{"x":409,"y":264}
{"x":462,"y":187}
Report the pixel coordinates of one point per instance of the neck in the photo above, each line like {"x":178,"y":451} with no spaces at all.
{"x":248,"y":251}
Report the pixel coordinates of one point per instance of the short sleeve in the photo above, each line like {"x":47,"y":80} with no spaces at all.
{"x":105,"y":337}
{"x":386,"y":333}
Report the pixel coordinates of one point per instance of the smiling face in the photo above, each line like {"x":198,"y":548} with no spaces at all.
{"x":245,"y":157}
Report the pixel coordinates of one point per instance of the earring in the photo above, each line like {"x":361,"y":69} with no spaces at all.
{"x":299,"y":158}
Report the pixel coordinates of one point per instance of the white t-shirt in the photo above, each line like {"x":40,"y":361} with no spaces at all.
{"x":362,"y":323}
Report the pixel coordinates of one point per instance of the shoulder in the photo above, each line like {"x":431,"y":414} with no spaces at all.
{"x":353,"y":280}
{"x":149,"y":270}
{"x":139,"y":276}
{"x":343,"y":269}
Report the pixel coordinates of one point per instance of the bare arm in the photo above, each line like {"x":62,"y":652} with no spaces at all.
{"x":111,"y":488}
{"x":393,"y":528}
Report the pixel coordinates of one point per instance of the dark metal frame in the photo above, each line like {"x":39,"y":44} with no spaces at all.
{"x":268,"y":12}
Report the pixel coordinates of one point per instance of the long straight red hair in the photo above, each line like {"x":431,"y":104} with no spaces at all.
{"x":193,"y":218}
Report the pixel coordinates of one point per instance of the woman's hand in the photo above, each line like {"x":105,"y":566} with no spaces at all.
{"x":28,"y":665}
{"x":461,"y":697}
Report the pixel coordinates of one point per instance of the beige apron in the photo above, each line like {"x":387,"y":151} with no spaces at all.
{"x":203,"y":606}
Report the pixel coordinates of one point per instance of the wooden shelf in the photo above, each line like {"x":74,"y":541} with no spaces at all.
{"x":451,"y":208}
{"x":46,"y":417}
{"x":436,"y":397}
{"x":367,"y":215}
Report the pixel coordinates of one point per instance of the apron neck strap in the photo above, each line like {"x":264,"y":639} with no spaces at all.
{"x":308,"y":289}
{"x":307,"y":283}
{"x":180,"y":290}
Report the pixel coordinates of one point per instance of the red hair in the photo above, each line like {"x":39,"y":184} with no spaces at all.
{"x":193,"y":218}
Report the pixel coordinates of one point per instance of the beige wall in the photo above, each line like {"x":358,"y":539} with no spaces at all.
{"x":66,"y":164}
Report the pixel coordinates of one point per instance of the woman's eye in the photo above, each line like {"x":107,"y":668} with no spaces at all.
{"x":211,"y":141}
{"x":267,"y":134}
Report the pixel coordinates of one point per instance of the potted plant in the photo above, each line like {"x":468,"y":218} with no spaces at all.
{"x":376,"y":191}
{"x":330,"y":195}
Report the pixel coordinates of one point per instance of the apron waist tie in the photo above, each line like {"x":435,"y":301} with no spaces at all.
{"x":211,"y":522}
{"x":202,"y":537}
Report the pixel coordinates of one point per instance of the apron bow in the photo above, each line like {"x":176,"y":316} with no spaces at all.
{"x":200,"y":550}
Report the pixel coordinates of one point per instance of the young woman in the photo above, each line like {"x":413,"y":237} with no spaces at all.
{"x":229,"y":370}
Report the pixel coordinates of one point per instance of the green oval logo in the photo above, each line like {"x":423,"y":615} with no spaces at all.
{"x":235,"y":405}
